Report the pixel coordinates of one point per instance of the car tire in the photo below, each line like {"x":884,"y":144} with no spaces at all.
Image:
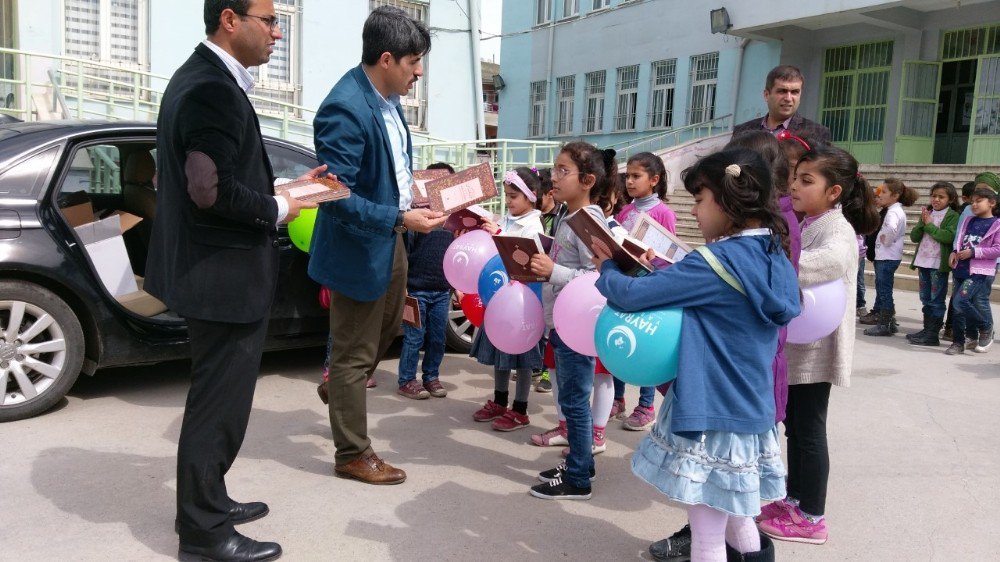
{"x":459,"y":332}
{"x":37,"y":373}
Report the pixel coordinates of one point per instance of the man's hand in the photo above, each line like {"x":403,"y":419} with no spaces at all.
{"x":541,"y":265}
{"x":295,"y":207}
{"x":316,"y":172}
{"x":423,"y":220}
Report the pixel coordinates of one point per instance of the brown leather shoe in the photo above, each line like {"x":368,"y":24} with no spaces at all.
{"x":321,"y":390}
{"x":370,"y":469}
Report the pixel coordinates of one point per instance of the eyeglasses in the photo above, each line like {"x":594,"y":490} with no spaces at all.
{"x":271,"y":21}
{"x":559,"y":172}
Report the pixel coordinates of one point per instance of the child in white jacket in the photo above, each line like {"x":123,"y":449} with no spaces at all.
{"x":893,"y":195}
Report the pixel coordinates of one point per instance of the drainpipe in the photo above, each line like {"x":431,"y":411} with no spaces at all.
{"x":477,"y":69}
{"x":548,"y":72}
{"x":739,"y":70}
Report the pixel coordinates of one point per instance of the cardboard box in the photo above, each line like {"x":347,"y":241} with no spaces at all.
{"x":104,"y":244}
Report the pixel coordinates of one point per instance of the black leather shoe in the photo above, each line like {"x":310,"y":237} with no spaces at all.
{"x":236,"y":548}
{"x":241,"y":513}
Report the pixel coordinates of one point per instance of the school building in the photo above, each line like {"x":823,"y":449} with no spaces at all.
{"x":912,"y":81}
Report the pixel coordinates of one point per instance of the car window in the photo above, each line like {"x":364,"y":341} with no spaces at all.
{"x":288,"y":163}
{"x":95,"y":169}
{"x":28,"y":175}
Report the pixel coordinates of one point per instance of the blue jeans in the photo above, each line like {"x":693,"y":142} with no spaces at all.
{"x":859,"y":301}
{"x":433,"y":322}
{"x":933,"y":290}
{"x":576,"y":382}
{"x":884,"y":272}
{"x":646,"y":393}
{"x":971,"y":312}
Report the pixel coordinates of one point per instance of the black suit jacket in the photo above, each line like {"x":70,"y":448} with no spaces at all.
{"x":213,"y":254}
{"x":798,"y":126}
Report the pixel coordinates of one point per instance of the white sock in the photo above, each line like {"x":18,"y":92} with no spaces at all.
{"x":741,"y":534}
{"x":604,"y":398}
{"x":708,"y":533}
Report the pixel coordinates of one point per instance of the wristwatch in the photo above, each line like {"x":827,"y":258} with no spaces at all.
{"x":398,"y":227}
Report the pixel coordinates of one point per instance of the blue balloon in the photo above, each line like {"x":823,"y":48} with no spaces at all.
{"x":493,"y":277}
{"x":537,"y":288}
{"x":639,"y":348}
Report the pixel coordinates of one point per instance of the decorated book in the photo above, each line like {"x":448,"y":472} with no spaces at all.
{"x":458,"y":191}
{"x":515,"y":253}
{"x":419,"y":187}
{"x":317,"y":190}
{"x":595,"y":235}
{"x":469,"y":218}
{"x":652,"y":234}
{"x":411,"y":312}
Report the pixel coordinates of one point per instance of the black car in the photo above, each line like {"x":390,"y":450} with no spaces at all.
{"x":58,"y":313}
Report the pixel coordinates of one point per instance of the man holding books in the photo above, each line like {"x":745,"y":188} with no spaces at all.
{"x":357,"y":248}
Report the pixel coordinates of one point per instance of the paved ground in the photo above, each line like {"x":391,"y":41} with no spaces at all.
{"x":914,"y":459}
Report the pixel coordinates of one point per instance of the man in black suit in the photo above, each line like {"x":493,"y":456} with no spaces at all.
{"x":782,"y":93}
{"x":213,"y":260}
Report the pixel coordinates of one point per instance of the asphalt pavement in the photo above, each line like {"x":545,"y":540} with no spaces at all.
{"x":914,"y":458}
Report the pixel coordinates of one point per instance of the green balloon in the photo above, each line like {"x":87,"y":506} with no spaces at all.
{"x":300,"y":230}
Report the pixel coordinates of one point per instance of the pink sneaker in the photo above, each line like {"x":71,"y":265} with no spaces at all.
{"x":554,"y":437}
{"x":600,"y":445}
{"x":641,"y":418}
{"x":774,"y":509}
{"x":490,"y":411}
{"x":510,"y":421}
{"x":618,"y":410}
{"x":794,"y":527}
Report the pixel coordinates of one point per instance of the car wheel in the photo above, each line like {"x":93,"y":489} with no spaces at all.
{"x":41,"y":349}
{"x":460,"y":330}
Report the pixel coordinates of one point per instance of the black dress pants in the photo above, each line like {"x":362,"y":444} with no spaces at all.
{"x":808,"y":455}
{"x":225,"y":360}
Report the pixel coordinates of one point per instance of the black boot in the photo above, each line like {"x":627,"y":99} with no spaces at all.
{"x":893,"y":325}
{"x":921,"y":334}
{"x":884,"y":326}
{"x":930,"y":338}
{"x":765,"y":554}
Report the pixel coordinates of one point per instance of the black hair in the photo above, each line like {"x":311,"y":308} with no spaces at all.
{"x":968,"y":188}
{"x":390,"y":30}
{"x":214,"y":8}
{"x":653,"y":165}
{"x":949,"y":190}
{"x":988,"y":193}
{"x":784,"y":72}
{"x":744,"y":196}
{"x":601,"y":164}
{"x":907,"y":195}
{"x":441,"y":166}
{"x":857,"y":200}
{"x":762,"y":142}
{"x":530,"y":179}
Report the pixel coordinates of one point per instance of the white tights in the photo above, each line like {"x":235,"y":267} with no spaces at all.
{"x":711,"y":529}
{"x":604,"y":398}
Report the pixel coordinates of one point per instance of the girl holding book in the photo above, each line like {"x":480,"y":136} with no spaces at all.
{"x":520,"y":188}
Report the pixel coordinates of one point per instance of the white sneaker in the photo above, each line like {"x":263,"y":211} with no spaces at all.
{"x":985,"y":341}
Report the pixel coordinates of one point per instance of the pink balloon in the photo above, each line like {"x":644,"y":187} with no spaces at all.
{"x":822,"y":312}
{"x":575,"y":313}
{"x":465,"y":258}
{"x":514,"y":319}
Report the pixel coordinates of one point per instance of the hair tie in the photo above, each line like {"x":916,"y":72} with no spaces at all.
{"x":785,"y":134}
{"x":733,"y":170}
{"x":609,"y":156}
{"x":512,"y":178}
{"x":534,"y":170}
{"x":859,"y":176}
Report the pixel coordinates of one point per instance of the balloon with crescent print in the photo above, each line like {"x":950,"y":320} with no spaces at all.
{"x":640,"y":348}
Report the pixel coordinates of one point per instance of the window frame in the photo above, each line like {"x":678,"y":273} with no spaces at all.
{"x":710,"y":84}
{"x":626,"y":99}
{"x":538,"y":98}
{"x":668,"y":88}
{"x":543,"y":12}
{"x":593,"y":122}
{"x":566,"y":103}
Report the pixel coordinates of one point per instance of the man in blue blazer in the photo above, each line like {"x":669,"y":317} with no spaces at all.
{"x":357,"y":246}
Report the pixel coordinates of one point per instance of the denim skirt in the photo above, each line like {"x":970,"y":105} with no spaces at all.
{"x":731,"y":472}
{"x":484,"y":352}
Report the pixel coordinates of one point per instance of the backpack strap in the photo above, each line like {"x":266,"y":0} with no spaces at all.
{"x":716,"y":266}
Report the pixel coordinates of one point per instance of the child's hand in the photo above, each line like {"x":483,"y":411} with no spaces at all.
{"x":965,"y":254}
{"x":647,"y":258}
{"x":925,"y":216}
{"x":541,"y":265}
{"x":490,"y":227}
{"x":953,"y":260}
{"x":600,"y":256}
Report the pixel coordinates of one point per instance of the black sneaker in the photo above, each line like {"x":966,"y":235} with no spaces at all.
{"x":676,"y":548}
{"x":559,"y":490}
{"x":955,"y":349}
{"x":544,"y":384}
{"x":558,"y":472}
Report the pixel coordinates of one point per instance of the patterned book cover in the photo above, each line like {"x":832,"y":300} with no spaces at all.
{"x":515,"y":253}
{"x":318,"y":190}
{"x":411,"y":312}
{"x":419,"y":187}
{"x":466,"y":219}
{"x":596,"y":235}
{"x":458,"y":191}
{"x":654,"y":235}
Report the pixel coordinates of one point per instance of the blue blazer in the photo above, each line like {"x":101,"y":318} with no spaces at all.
{"x":353,"y":240}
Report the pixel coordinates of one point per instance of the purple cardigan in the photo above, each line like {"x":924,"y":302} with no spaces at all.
{"x":984,"y":256}
{"x":780,"y":364}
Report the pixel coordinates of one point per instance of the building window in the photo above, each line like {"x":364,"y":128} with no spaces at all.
{"x":704,"y":78}
{"x":536,"y":127}
{"x":601,"y":4}
{"x":278,"y":80}
{"x":571,"y":8}
{"x":661,"y":98}
{"x":415,"y":102}
{"x":627,"y":97}
{"x":855,"y":92}
{"x":543,"y":11}
{"x":565,"y":92}
{"x":595,"y":101}
{"x":970,"y":43}
{"x":113,"y":32}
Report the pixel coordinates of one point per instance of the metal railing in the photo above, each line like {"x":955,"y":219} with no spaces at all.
{"x":666,"y":139}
